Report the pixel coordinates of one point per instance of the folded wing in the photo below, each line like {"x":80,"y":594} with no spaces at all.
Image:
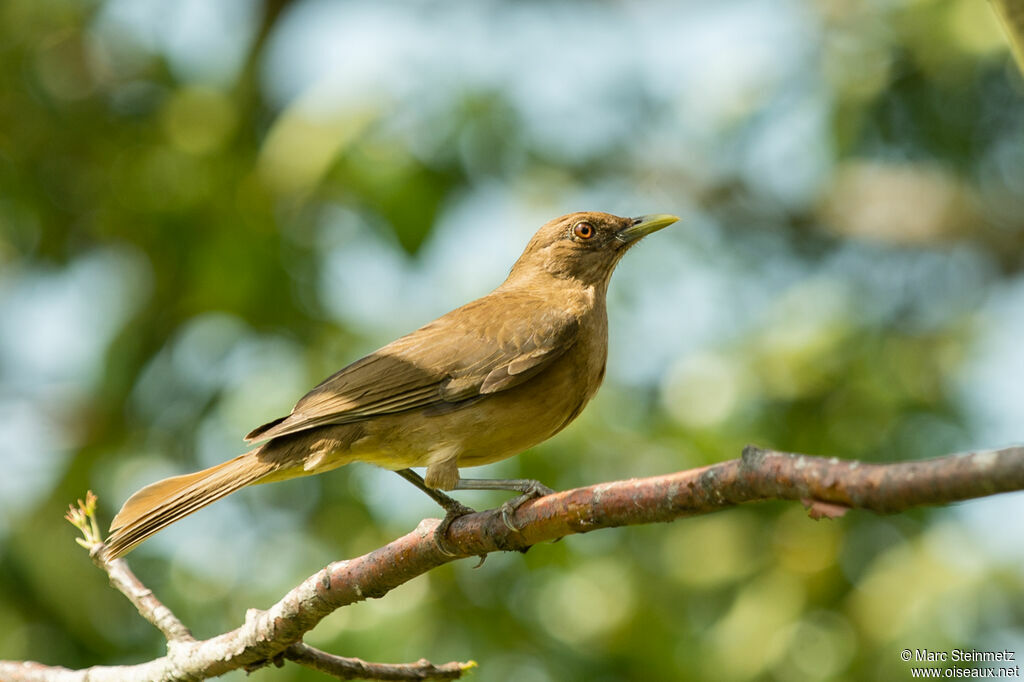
{"x":457,"y":359}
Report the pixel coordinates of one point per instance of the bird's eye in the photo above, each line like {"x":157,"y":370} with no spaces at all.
{"x":583,"y":230}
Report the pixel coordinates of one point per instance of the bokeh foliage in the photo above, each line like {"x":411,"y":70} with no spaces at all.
{"x":194,"y":230}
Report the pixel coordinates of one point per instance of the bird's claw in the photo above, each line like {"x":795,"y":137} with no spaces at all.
{"x":509,"y":508}
{"x":452,"y":512}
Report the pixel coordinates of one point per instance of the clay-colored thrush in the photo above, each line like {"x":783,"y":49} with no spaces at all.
{"x":482,"y":383}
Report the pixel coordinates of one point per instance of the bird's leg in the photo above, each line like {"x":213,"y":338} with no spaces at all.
{"x":528,"y":488}
{"x":452,"y":507}
{"x":447,"y":503}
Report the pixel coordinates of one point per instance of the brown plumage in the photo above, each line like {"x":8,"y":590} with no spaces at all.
{"x":479,"y":384}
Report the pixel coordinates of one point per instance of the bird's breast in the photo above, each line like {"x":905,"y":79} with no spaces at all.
{"x":499,"y":425}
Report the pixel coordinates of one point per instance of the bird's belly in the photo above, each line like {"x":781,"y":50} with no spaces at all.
{"x":494,"y":428}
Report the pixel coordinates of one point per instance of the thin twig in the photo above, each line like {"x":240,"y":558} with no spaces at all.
{"x":83,"y":517}
{"x":143,"y":599}
{"x":355,"y":669}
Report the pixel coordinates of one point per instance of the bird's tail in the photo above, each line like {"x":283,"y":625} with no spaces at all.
{"x":160,"y":504}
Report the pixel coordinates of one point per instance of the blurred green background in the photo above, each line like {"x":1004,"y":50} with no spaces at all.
{"x":206,"y":207}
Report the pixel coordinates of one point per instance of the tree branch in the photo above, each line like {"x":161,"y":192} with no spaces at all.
{"x":354,"y":669}
{"x":827,"y":485}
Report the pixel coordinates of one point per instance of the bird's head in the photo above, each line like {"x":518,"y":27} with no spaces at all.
{"x":584,"y":246}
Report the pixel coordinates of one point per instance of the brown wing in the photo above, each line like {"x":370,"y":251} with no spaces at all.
{"x":483,"y":347}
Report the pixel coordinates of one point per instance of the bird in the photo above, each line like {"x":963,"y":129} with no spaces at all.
{"x":479,"y":384}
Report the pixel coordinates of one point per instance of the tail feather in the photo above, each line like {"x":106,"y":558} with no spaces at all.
{"x":160,"y":504}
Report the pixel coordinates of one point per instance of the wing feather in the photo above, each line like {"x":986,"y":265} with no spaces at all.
{"x":460,"y":357}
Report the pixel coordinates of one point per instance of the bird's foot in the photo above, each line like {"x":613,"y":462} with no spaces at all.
{"x":533,"y":490}
{"x":453,"y":510}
